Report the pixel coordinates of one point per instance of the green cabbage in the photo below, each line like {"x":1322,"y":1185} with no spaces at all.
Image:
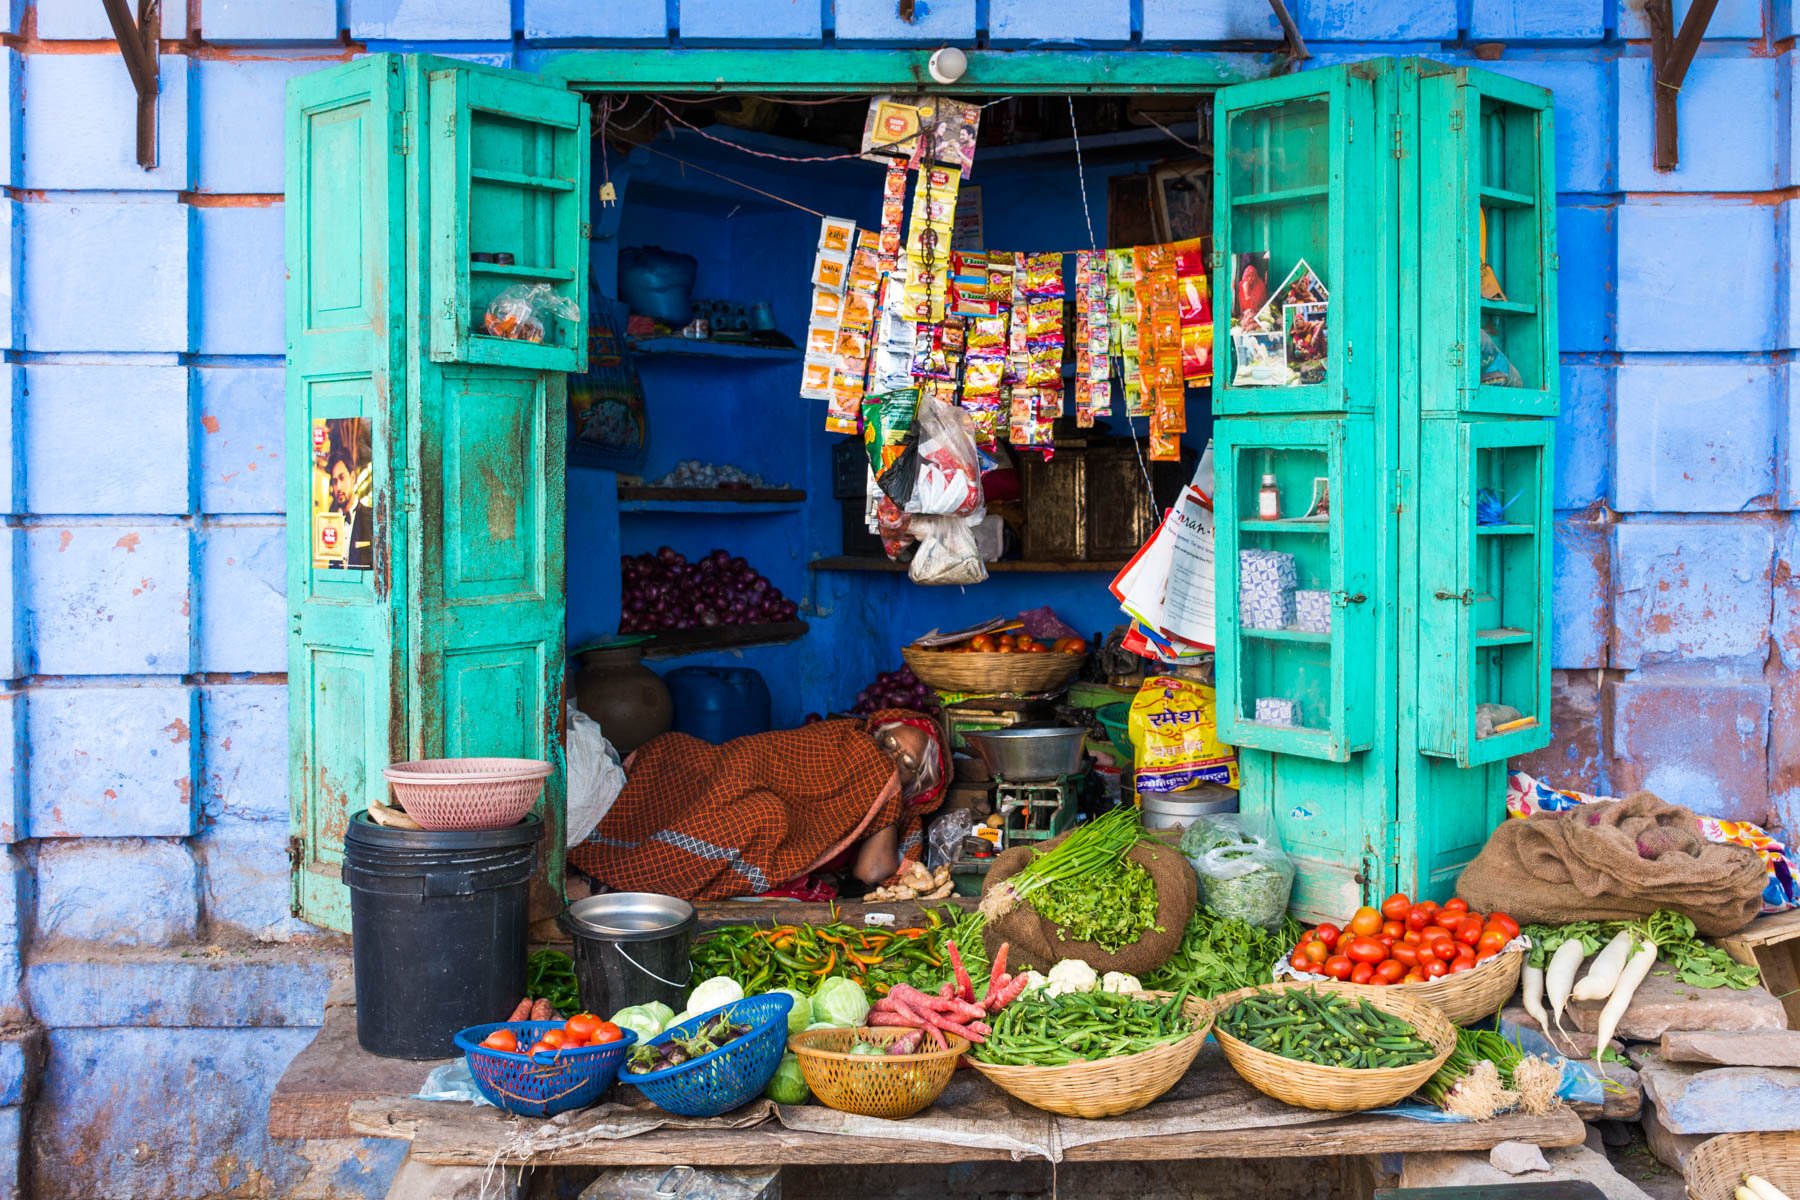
{"x":788,"y":1085}
{"x":716,"y":992}
{"x":799,"y":1016}
{"x":820,"y":1025}
{"x":840,"y":1003}
{"x":645,"y":1020}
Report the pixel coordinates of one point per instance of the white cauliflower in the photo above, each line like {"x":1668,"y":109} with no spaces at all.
{"x":1072,"y":975}
{"x":1120,"y":981}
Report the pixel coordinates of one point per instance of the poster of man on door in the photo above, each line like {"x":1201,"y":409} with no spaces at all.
{"x":343,"y":521}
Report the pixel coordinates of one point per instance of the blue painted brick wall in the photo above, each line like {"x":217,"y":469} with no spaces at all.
{"x":143,"y":730}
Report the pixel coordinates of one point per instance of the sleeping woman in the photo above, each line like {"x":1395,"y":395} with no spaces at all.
{"x":761,"y":814}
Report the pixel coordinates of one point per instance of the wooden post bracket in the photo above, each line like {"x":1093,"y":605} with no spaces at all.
{"x":1671,"y":53}
{"x":140,"y":44}
{"x":1296,"y":45}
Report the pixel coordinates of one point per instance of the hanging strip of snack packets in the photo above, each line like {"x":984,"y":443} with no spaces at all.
{"x":1159,"y":349}
{"x":928,"y":241}
{"x":1122,"y":280}
{"x":893,"y":216}
{"x":1036,"y":351}
{"x":984,"y":338}
{"x":855,"y":335}
{"x":830,"y":277}
{"x":1093,"y":339}
{"x":1194,"y":298}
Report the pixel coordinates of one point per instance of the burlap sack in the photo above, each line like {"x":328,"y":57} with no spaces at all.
{"x":1034,"y":941}
{"x":1614,"y":861}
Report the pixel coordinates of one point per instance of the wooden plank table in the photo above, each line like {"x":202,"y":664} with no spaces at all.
{"x":460,"y":1135}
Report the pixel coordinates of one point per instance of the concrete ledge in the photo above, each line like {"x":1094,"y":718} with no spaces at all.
{"x":200,"y":988}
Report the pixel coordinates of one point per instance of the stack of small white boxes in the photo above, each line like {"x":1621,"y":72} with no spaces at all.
{"x":1269,"y":598}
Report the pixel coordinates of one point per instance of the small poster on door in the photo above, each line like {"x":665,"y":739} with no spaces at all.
{"x":343,"y":520}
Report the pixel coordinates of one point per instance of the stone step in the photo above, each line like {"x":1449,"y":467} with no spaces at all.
{"x":1694,"y":1100}
{"x":1755,"y":1048}
{"x":1663,"y":1004}
{"x":1475,"y":1169}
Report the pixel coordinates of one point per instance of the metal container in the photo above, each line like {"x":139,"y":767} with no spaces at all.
{"x":1178,"y":810}
{"x":1021,"y":755}
{"x":630,"y":948}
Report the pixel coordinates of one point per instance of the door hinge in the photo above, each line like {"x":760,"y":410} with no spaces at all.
{"x":1556,"y":262}
{"x":1399,"y":491}
{"x":1456,"y":354}
{"x":404,"y":492}
{"x":1399,"y":144}
{"x":1456,"y":119}
{"x":296,"y":852}
{"x":1349,"y":129}
{"x":1218,"y":258}
{"x":1466,"y":596}
{"x":587,"y":231}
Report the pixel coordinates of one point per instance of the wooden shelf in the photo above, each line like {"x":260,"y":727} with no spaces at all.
{"x":737,"y":502}
{"x":680,"y":347}
{"x":542,"y":183}
{"x":1293,"y":526}
{"x":1507,"y":530}
{"x":560,"y":274}
{"x":1503,"y":636}
{"x":850,"y":562}
{"x":1293,"y":195}
{"x":1509,"y":306}
{"x":1501,"y":198}
{"x":676,"y":642}
{"x":1310,"y":636}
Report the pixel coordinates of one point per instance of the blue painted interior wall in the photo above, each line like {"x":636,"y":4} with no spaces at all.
{"x":144,"y":733}
{"x":746,"y":412}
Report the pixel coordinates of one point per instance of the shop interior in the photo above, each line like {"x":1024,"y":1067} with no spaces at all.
{"x":740,"y":184}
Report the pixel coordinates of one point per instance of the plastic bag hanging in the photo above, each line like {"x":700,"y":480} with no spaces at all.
{"x":519,"y":313}
{"x":949,"y":470}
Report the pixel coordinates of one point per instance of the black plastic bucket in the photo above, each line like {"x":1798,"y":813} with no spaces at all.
{"x":438,"y":923}
{"x":630,"y":948}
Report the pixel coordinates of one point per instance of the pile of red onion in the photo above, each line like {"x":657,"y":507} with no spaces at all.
{"x":665,"y":591}
{"x":896,"y":689}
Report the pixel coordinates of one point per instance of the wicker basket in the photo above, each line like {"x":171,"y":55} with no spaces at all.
{"x":1468,"y":996}
{"x":1718,"y":1165}
{"x":869,"y":1085}
{"x":1109,"y":1086}
{"x":1338,"y":1089}
{"x":963,"y":671}
{"x":468,"y":793}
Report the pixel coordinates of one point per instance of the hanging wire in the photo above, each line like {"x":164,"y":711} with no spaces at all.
{"x":686,"y":165}
{"x":1118,"y":362}
{"x":1172,"y":135}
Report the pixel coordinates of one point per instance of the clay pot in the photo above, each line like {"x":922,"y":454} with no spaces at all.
{"x":628,"y":699}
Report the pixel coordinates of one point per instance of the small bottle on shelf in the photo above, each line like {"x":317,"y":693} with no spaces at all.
{"x":1268,"y":500}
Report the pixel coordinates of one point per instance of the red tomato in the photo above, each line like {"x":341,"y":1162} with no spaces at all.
{"x":1317,"y":952}
{"x":1493,"y":940}
{"x":1366,"y":922}
{"x":1393,"y":928}
{"x":1376,"y":981}
{"x":1450,"y":922}
{"x":1339,"y":967}
{"x":1329,"y":934}
{"x":1469,"y":932}
{"x":1390,"y":971}
{"x":1308,"y":936}
{"x":1299,"y":961}
{"x":1362,"y":972}
{"x":542,"y":1047}
{"x":1505,"y":922}
{"x":1445,"y":949}
{"x":1456,"y":905}
{"x":1432,"y":933}
{"x":1388,"y":940}
{"x":1404,"y":953}
{"x":1430,"y":907}
{"x":581,"y":1027}
{"x":1481,"y":958}
{"x":554,"y":1037}
{"x":1413,"y":977}
{"x":1396,"y":906}
{"x":607,"y":1032}
{"x":1418,"y":918}
{"x":1435,"y":968}
{"x":1412,"y":937}
{"x":1366,"y":950}
{"x":501,"y":1039}
{"x":1464,"y":953}
{"x":1461,"y":965}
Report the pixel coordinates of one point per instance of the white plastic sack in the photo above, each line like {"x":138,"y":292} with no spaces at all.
{"x":595,"y":776}
{"x":947,"y":552}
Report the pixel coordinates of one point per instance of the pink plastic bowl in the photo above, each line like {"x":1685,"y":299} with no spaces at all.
{"x":468,"y":793}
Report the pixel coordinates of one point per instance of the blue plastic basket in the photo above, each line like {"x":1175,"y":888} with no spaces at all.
{"x":735,"y":1073}
{"x":547,"y":1084}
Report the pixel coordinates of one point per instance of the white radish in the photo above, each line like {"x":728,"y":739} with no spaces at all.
{"x":1634,"y":973}
{"x":1598,"y":983}
{"x":1532,"y":983}
{"x":1763,"y":1189}
{"x":1743,"y":1193}
{"x":1559,"y":977}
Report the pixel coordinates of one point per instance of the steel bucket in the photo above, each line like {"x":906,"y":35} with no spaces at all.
{"x":1024,"y":755}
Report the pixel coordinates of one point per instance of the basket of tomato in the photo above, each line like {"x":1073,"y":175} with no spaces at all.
{"x":541,"y":1068}
{"x":1466,"y":964}
{"x":998,"y":662}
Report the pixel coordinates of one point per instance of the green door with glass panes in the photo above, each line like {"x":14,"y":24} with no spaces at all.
{"x":424,"y":449}
{"x":1385,"y":341}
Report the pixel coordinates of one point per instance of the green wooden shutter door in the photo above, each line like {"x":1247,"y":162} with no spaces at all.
{"x":345,"y":339}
